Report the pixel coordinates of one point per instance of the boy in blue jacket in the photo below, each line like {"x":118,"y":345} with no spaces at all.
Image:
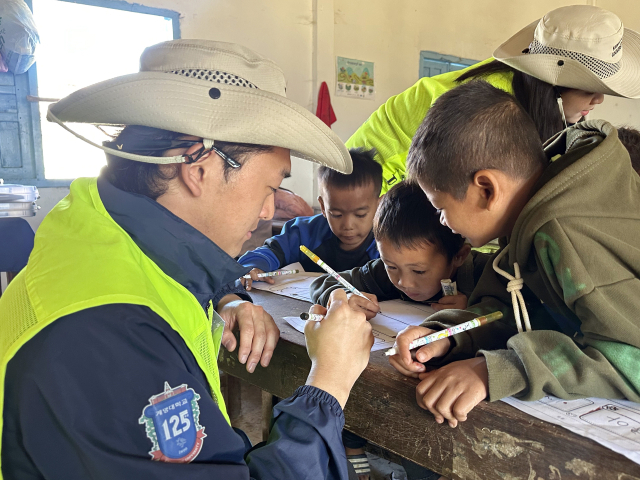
{"x":341,"y":235}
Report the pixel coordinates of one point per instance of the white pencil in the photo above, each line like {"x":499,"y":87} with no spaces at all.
{"x":275,"y":274}
{"x":476,"y":322}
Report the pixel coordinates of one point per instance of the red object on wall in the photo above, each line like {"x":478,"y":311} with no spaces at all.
{"x":325,"y":111}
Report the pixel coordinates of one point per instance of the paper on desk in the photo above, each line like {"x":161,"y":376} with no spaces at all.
{"x":396,"y":315}
{"x":293,"y":286}
{"x":614,"y":424}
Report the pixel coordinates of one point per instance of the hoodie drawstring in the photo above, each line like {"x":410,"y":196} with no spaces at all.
{"x":514,"y":286}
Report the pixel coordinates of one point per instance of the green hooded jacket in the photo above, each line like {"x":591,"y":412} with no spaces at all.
{"x":577,"y":243}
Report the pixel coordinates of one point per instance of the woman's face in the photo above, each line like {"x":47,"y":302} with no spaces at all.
{"x":578,"y":103}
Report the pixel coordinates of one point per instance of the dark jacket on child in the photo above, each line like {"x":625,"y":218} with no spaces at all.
{"x":577,"y":244}
{"x":373,"y":278}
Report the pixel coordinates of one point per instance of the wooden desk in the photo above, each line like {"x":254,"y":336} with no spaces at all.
{"x":496,"y":442}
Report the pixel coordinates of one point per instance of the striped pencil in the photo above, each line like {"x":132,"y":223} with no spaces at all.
{"x":463,"y":327}
{"x":275,"y":274}
{"x":332,"y":272}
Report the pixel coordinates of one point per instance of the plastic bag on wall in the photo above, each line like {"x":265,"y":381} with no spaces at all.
{"x":18,"y":35}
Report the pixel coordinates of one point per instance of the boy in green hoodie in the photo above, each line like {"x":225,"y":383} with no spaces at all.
{"x":566,"y":278}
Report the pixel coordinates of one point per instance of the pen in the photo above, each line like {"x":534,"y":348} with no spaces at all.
{"x":332,"y":272}
{"x":275,"y":274}
{"x":476,"y":322}
{"x":311,"y":317}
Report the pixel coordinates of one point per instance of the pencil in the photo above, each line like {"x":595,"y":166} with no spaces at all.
{"x":463,"y":327}
{"x":332,"y":272}
{"x":275,"y":274}
{"x":311,"y":317}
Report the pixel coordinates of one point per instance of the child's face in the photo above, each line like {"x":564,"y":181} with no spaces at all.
{"x":489,"y":209}
{"x":416,"y":272}
{"x":350,"y":213}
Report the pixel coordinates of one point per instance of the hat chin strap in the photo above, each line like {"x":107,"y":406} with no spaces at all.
{"x":561,"y":106}
{"x":129,"y":156}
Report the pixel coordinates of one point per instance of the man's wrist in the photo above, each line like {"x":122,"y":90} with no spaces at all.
{"x":330,"y":383}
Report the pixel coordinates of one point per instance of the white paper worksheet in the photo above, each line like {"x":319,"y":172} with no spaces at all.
{"x":396,"y":315}
{"x":612,"y":423}
{"x":293,"y":286}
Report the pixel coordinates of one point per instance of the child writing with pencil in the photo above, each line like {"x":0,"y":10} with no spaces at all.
{"x":567,"y":276}
{"x":341,"y":235}
{"x":416,"y":253}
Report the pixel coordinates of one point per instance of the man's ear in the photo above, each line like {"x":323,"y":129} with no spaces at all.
{"x":461,"y":256}
{"x":195,"y":175}
{"x":487,"y":188}
{"x":322,"y":209}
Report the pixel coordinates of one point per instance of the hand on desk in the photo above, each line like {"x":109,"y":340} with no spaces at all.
{"x":359,"y":304}
{"x":339,"y":347}
{"x":404,"y":361}
{"x":451,"y":392}
{"x":246,"y":282}
{"x":259,"y":334}
{"x":458,"y":301}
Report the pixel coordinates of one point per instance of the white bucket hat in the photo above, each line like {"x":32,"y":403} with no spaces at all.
{"x":214,"y":90}
{"x":579,"y":46}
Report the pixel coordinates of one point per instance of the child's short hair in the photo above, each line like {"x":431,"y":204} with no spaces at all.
{"x":365,"y":170}
{"x":406,"y":218}
{"x":630,"y":138}
{"x":473,"y":127}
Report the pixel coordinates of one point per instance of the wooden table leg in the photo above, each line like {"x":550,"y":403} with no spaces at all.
{"x":232,"y":393}
{"x":268,"y":401}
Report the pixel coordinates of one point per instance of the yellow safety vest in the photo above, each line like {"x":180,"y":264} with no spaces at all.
{"x":82,"y":259}
{"x":391,"y":128}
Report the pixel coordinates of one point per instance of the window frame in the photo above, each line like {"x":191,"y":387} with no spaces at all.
{"x":444,"y":58}
{"x":32,"y":75}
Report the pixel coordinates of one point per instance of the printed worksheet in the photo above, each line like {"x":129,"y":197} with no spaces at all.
{"x":395,"y":315}
{"x":294,"y":286}
{"x":612,"y":423}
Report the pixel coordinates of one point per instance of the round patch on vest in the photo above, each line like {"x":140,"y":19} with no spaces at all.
{"x":171,"y":421}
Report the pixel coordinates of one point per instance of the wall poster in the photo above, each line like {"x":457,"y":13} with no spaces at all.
{"x":355,"y":78}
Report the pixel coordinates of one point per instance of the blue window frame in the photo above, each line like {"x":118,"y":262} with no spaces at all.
{"x":21,"y":150}
{"x":434,"y":63}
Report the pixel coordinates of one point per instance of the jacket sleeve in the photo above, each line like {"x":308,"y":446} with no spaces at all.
{"x":604,"y":293}
{"x":305,"y":441}
{"x":370,"y":278}
{"x":83,"y":418}
{"x":284,"y":249}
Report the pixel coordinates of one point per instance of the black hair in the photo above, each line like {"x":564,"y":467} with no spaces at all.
{"x":406,"y":218}
{"x":365,"y":170}
{"x":473,"y":127}
{"x":538,"y":98}
{"x":150,"y":179}
{"x":630,"y":138}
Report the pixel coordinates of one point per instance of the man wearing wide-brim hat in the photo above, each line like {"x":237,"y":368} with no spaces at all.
{"x":110,"y":335}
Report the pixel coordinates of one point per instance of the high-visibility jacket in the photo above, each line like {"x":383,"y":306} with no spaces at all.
{"x":82,"y":259}
{"x":391,"y":128}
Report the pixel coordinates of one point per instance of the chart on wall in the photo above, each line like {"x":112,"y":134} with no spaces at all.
{"x":355,"y":78}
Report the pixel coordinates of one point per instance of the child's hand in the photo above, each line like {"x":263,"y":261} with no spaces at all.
{"x":458,"y":301}
{"x":359,"y":304}
{"x":452,"y":391}
{"x":246,"y":282}
{"x":404,"y":363}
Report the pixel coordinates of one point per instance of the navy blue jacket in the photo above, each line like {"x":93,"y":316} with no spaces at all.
{"x":315,"y":233}
{"x":75,"y":393}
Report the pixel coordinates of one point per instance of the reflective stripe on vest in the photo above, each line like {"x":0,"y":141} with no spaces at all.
{"x":83,"y":259}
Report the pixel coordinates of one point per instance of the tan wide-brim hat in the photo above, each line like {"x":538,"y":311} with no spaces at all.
{"x":214,"y":90}
{"x":579,"y":46}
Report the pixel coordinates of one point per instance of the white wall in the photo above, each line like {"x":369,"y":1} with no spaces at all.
{"x":304,"y":36}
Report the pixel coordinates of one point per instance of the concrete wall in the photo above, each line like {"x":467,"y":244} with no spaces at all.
{"x":304,"y":36}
